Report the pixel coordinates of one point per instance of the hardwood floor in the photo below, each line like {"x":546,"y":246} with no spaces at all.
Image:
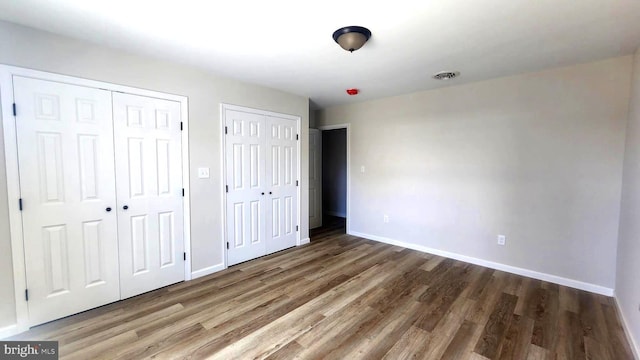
{"x":343,"y":297}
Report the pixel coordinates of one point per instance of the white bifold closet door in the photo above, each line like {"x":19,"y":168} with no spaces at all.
{"x":261,"y":185}
{"x":101,"y":189}
{"x":67,"y":182}
{"x":246,"y":186}
{"x":281,"y":170}
{"x":149,"y":177}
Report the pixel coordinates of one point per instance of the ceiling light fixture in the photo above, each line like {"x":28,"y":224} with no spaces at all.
{"x":351,"y":38}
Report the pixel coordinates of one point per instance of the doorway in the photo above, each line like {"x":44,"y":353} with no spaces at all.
{"x":334,"y":175}
{"x":330,"y":169}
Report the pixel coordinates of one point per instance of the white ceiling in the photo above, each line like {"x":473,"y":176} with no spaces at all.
{"x":287,"y":44}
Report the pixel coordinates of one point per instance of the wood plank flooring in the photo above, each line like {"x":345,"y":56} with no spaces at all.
{"x":343,"y":297}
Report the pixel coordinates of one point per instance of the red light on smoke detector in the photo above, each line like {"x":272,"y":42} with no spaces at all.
{"x":353,"y":91}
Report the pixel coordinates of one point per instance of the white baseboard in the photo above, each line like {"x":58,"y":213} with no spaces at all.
{"x":207,"y":271}
{"x":335,"y":213}
{"x":10,"y":330}
{"x":627,"y":330}
{"x":304,"y":241}
{"x":494,"y":265}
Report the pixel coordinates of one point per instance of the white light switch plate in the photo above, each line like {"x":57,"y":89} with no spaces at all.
{"x":203,"y":173}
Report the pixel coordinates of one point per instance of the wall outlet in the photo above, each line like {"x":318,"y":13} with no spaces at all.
{"x":385,"y":219}
{"x":502,"y":239}
{"x":203,"y":173}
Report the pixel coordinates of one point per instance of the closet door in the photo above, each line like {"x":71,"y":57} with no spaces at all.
{"x":65,"y":147}
{"x":149,"y":177}
{"x":245,"y":186}
{"x":281,"y":171}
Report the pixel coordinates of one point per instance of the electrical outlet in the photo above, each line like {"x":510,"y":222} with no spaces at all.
{"x":203,"y":173}
{"x":386,"y":219}
{"x":502,"y":239}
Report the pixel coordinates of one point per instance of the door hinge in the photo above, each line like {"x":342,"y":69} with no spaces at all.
{"x":20,"y":204}
{"x":297,"y":183}
{"x":26,"y":294}
{"x":15,"y":112}
{"x":226,"y":129}
{"x":180,"y":125}
{"x":226,"y":188}
{"x":297,"y":137}
{"x":227,"y":245}
{"x":182,"y":192}
{"x":184,"y":256}
{"x":297,"y":228}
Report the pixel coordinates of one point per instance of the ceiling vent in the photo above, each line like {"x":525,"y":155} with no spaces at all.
{"x":446,"y":75}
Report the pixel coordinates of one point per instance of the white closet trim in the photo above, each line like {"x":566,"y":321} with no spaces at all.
{"x":13,"y":183}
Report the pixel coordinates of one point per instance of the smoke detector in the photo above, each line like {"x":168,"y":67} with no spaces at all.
{"x":446,"y":75}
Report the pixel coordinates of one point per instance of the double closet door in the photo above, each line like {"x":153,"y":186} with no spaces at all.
{"x":101,"y":195}
{"x":261,"y":167}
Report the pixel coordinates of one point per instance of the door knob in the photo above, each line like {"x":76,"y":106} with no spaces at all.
{"x":108,"y":209}
{"x":125,"y":207}
{"x":262,"y":193}
{"x":270,"y":193}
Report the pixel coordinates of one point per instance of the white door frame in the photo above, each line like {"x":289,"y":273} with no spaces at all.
{"x":13,"y":180}
{"x":344,"y":126}
{"x":223,"y":168}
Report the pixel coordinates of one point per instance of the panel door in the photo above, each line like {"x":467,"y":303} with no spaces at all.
{"x":281,"y":174}
{"x":150,"y":204}
{"x":65,"y":147}
{"x":315,"y":178}
{"x":245,"y":181}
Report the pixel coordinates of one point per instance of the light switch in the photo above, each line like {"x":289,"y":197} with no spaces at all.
{"x":362,"y":168}
{"x":203,"y":173}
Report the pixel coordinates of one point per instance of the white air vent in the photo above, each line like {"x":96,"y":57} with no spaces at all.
{"x":446,"y":75}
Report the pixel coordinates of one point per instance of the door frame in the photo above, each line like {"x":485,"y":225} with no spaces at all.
{"x":223,"y":168}
{"x":13,"y":179}
{"x":344,"y":126}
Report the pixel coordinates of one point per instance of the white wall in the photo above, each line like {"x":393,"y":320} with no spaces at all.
{"x":536,"y":157}
{"x":25,"y":47}
{"x":627,"y":283}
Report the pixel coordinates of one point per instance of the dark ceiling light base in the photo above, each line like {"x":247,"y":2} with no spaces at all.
{"x":351,"y":38}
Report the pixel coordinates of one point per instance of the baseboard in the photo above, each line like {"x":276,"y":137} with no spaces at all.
{"x":627,"y":331}
{"x":207,"y":271}
{"x":10,"y":330}
{"x":493,"y":265}
{"x":335,"y":213}
{"x":304,"y":241}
